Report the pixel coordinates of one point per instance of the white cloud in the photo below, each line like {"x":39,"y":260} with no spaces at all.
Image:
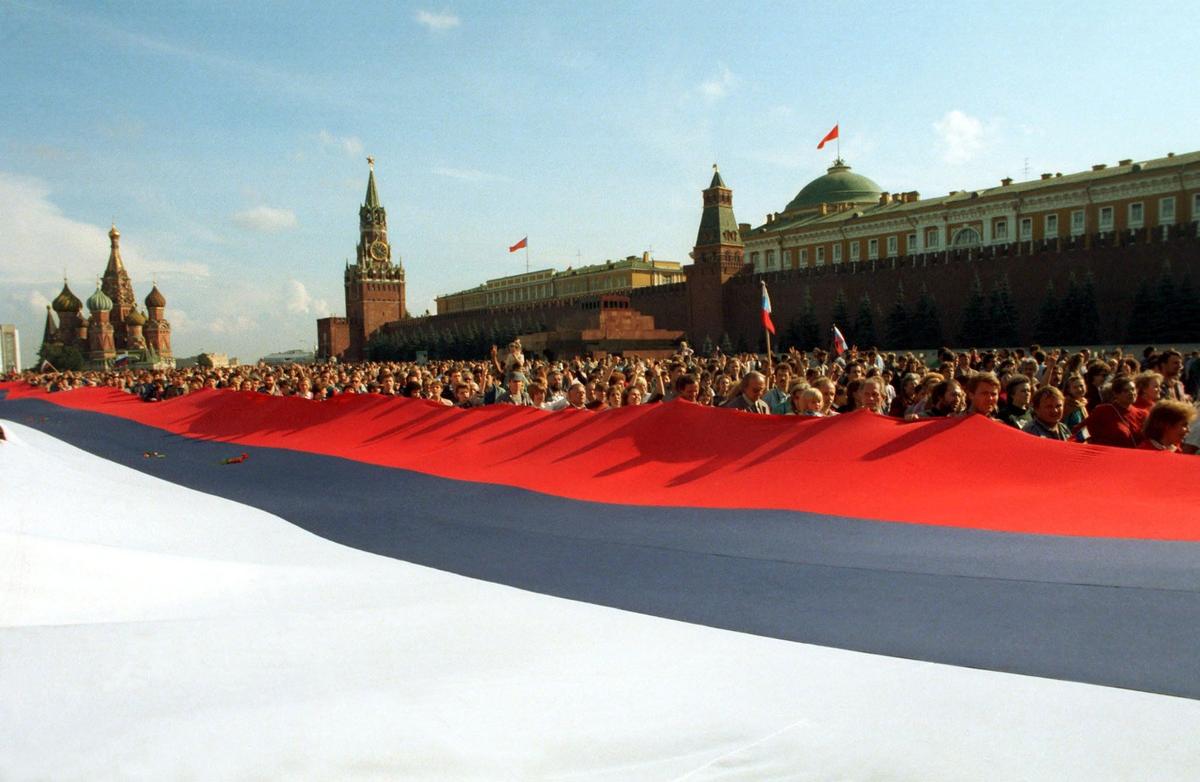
{"x":720,"y":85}
{"x":297,"y":299}
{"x":266,"y":219}
{"x":38,"y":302}
{"x":437,"y":21}
{"x":351,"y":145}
{"x":465,"y":174}
{"x":235,"y":324}
{"x":961,"y":136}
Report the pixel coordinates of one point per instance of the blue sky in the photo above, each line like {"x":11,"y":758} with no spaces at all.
{"x":228,"y":140}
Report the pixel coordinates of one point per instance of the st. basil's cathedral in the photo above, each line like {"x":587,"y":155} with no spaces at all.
{"x":114,"y":331}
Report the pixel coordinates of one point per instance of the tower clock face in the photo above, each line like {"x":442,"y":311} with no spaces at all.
{"x":378,"y":250}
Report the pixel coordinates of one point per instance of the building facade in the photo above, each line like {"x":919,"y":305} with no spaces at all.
{"x":10,"y":348}
{"x":844,"y":217}
{"x":1121,"y":239}
{"x":113,"y":327}
{"x":548,"y":285}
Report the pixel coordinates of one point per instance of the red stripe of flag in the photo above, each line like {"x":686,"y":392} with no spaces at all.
{"x":523,"y":243}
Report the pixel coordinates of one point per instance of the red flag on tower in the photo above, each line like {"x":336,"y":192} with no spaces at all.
{"x":523,"y":243}
{"x":830,"y":136}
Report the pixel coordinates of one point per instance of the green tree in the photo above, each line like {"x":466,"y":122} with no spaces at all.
{"x":1167,"y":305}
{"x":804,"y":332}
{"x":841,"y":309}
{"x":1187,"y":324}
{"x":898,"y":325}
{"x":61,"y":357}
{"x":1002,"y":313}
{"x":1048,"y":330}
{"x":1089,"y":311}
{"x":926,"y":321}
{"x":864,"y":323}
{"x":973,"y":330}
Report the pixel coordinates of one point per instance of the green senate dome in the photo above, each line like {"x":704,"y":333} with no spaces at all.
{"x":839,"y":185}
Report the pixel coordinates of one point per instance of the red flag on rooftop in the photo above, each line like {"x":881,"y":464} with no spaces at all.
{"x":523,"y":243}
{"x":830,"y":136}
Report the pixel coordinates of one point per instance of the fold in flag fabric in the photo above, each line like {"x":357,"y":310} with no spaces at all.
{"x":523,"y":243}
{"x":135,"y":641}
{"x":830,"y":136}
{"x":695,"y":514}
{"x":766,"y":310}
{"x":839,"y":341}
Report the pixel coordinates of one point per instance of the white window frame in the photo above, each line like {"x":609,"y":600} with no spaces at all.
{"x":855,"y":250}
{"x":1103,"y":223}
{"x":932,"y":238}
{"x":873,"y":246}
{"x":821,"y":255}
{"x":1000,"y":229}
{"x":893,"y":246}
{"x":756,"y":261}
{"x":803,"y":256}
{"x":771,"y":260}
{"x":1026,"y":228}
{"x":1078,"y":222}
{"x":1140,"y":220}
{"x":912,"y":244}
{"x":1166,"y":210}
{"x":1050,"y":227}
{"x":837,"y":252}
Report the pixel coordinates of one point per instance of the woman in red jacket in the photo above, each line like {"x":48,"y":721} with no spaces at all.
{"x":1117,"y":422}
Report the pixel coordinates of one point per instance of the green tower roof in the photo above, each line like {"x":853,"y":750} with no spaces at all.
{"x":372,"y":199}
{"x":838,"y":186}
{"x":99,"y":301}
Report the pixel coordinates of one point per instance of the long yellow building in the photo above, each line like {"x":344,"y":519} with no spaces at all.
{"x":547,"y":285}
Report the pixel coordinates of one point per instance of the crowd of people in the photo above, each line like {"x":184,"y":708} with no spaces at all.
{"x":1114,"y":399}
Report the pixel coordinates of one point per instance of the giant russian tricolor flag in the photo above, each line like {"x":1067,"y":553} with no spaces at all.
{"x":389,"y":588}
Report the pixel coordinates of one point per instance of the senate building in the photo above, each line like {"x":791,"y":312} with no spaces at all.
{"x":1069,"y":258}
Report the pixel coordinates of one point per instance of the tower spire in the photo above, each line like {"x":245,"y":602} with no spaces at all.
{"x":372,"y":199}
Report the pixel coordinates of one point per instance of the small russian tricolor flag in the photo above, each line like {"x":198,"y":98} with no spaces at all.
{"x":766,"y":310}
{"x":839,"y":341}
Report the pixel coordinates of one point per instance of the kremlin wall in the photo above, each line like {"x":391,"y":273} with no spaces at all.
{"x":1074,"y":258}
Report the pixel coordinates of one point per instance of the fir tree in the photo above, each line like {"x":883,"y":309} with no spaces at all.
{"x":804,"y":332}
{"x":61,"y":357}
{"x":1049,"y":329}
{"x":1071,"y":309}
{"x":864,"y":323}
{"x":1089,"y":312}
{"x":974,"y":331}
{"x":841,"y":309}
{"x":726,"y":344}
{"x":1166,"y":305}
{"x":898,"y":326}
{"x":1187,"y":324}
{"x":1003,"y":314}
{"x":926,"y":321}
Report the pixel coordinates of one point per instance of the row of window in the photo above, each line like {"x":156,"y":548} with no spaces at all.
{"x":969,"y":237}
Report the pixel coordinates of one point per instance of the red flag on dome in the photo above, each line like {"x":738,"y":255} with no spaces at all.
{"x":830,"y":136}
{"x":523,"y":243}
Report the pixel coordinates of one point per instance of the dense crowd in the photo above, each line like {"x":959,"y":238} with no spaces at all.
{"x":1114,"y":399}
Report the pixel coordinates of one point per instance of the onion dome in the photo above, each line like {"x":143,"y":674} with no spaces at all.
{"x":135,"y":318}
{"x":99,"y":301}
{"x":67,"y":301}
{"x":155,"y":298}
{"x":839,"y":185}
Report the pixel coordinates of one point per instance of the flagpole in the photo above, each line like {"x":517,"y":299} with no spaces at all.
{"x":839,"y":140}
{"x":527,"y":253}
{"x":770,"y":355}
